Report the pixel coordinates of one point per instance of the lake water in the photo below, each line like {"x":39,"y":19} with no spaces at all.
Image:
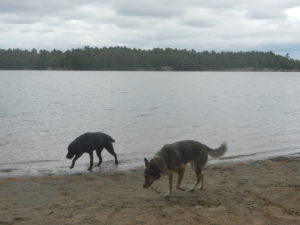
{"x":41,"y":112}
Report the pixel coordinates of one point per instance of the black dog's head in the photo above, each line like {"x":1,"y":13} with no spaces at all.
{"x":72,"y":150}
{"x":152,"y":173}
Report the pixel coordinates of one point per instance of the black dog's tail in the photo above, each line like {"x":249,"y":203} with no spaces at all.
{"x":218,"y":151}
{"x":112,"y":140}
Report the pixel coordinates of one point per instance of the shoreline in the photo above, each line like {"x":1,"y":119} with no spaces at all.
{"x":257,"y":192}
{"x":108,"y":168}
{"x":140,"y":70}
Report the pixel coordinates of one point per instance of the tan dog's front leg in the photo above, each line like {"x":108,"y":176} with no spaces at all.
{"x":169,"y":193}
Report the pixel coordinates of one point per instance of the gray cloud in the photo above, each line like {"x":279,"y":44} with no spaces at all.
{"x":200,"y":17}
{"x":219,"y":25}
{"x":147,"y":8}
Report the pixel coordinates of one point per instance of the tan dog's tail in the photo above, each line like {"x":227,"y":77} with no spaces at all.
{"x":218,"y":151}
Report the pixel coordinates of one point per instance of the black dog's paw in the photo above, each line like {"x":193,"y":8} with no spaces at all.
{"x":71,"y":167}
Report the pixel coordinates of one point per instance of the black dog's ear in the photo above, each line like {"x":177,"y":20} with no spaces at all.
{"x":146,"y":161}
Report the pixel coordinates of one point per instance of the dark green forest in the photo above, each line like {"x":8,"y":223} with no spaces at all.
{"x":123,"y":58}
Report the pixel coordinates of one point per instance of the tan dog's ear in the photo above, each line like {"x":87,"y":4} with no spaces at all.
{"x":146,"y":162}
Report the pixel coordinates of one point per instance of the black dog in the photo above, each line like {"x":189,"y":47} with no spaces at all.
{"x":89,"y":142}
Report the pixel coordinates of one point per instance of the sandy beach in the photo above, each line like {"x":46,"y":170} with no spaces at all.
{"x":262,"y":192}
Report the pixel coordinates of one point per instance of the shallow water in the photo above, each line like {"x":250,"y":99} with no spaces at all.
{"x":41,"y":112}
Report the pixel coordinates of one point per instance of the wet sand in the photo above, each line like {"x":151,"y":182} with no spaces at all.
{"x":262,"y":192}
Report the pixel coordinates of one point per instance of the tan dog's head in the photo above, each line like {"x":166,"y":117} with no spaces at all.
{"x":152,"y":172}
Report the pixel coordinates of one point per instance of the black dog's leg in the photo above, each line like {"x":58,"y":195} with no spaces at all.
{"x":91,"y":161}
{"x":98,"y":151}
{"x":74,"y":160}
{"x":110,"y":149}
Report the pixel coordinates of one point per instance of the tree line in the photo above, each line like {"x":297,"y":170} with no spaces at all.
{"x":123,"y":58}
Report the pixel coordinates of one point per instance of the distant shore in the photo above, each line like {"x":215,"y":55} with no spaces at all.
{"x":161,"y":70}
{"x":156,"y":59}
{"x":259,"y":192}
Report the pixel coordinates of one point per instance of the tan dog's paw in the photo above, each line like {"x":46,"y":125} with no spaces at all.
{"x":180,"y":188}
{"x":167,"y":196}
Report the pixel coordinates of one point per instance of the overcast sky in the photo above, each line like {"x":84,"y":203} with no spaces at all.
{"x":220,"y":25}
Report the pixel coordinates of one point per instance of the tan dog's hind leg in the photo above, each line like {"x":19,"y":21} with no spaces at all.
{"x":199,"y":178}
{"x":180,"y":177}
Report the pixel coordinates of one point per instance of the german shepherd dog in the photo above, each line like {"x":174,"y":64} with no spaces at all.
{"x":89,"y":142}
{"x":173,"y":158}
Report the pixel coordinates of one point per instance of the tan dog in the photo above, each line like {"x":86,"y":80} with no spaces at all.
{"x":173,"y":158}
